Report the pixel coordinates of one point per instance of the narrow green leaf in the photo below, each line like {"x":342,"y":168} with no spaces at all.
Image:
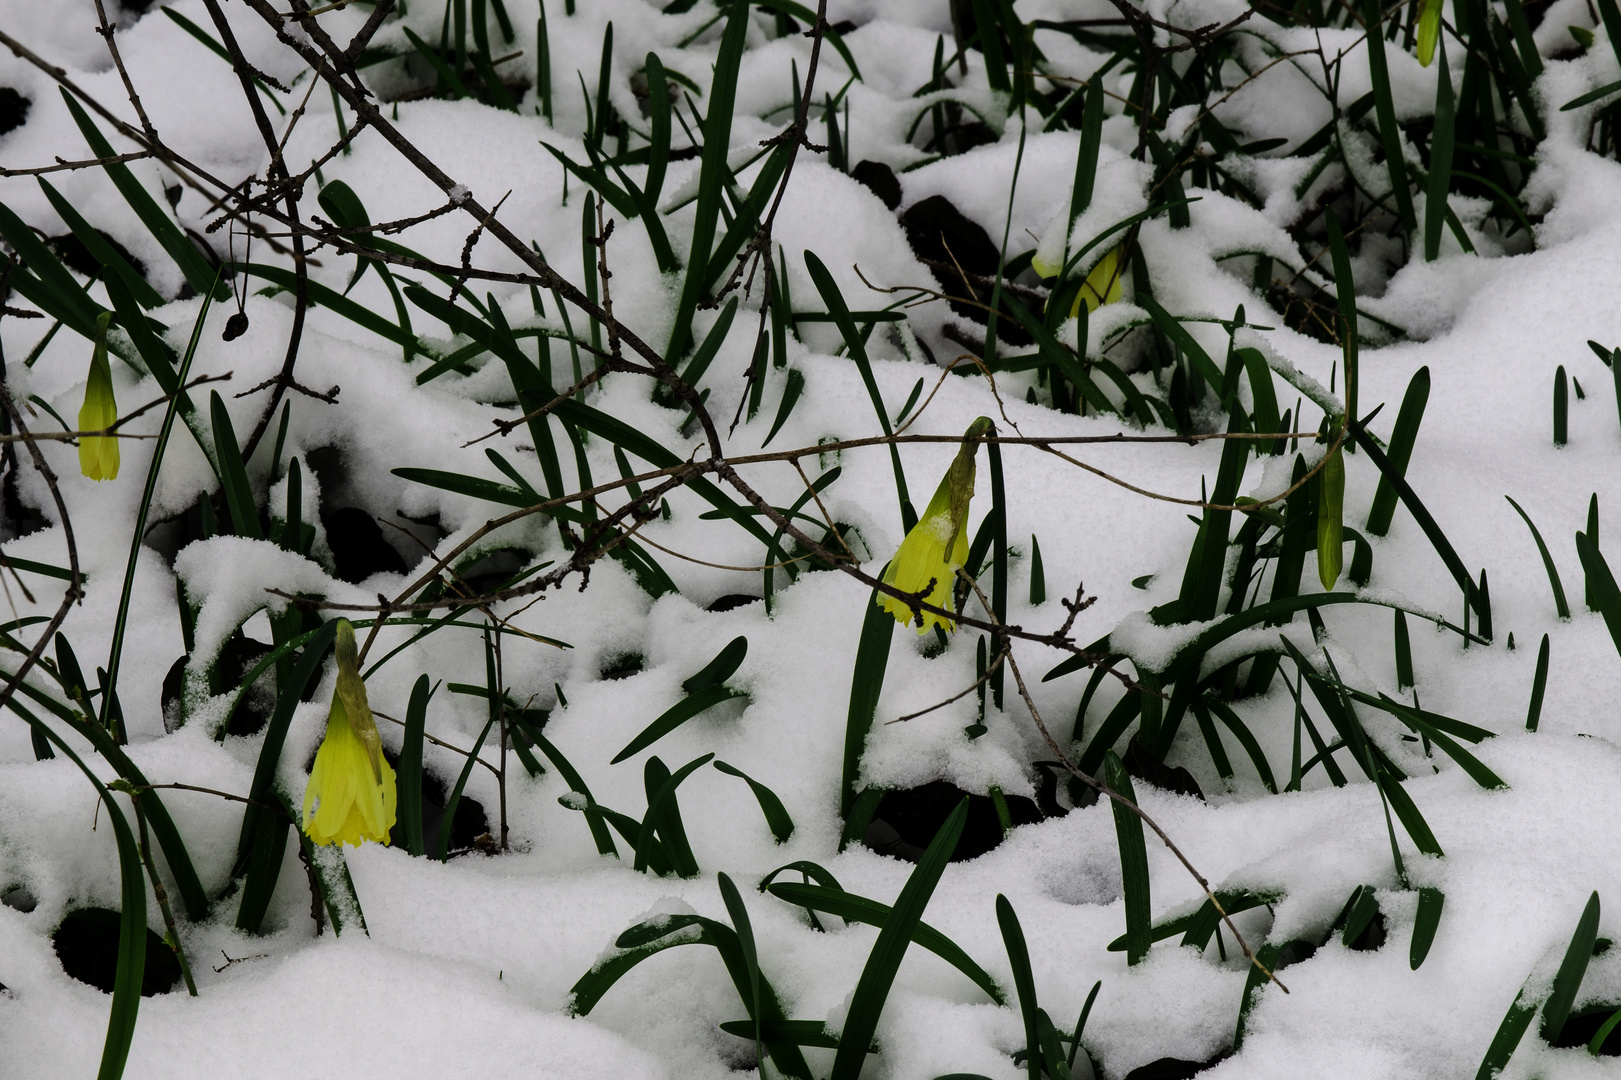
{"x":408,"y":783}
{"x":1430,"y":902}
{"x":664,"y":815}
{"x":1421,"y":514}
{"x":199,"y":275}
{"x":1602,"y":593}
{"x":1435,"y":205}
{"x":776,"y":815}
{"x":1128,"y":830}
{"x":1568,"y":980}
{"x":867,"y":1002}
{"x":1539,"y":686}
{"x":446,"y":823}
{"x":712,"y":175}
{"x":234,"y":474}
{"x":836,"y":307}
{"x":676,"y":715}
{"x":1385,"y":109}
{"x":866,"y":682}
{"x":1024,"y":982}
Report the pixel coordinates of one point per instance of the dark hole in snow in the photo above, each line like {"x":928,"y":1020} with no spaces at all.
{"x":494,"y":569}
{"x":13,"y":109}
{"x":1141,"y":765}
{"x":906,"y":821}
{"x":18,"y":898}
{"x":17,"y":518}
{"x":71,"y":250}
{"x":1170,"y":1068}
{"x":1298,"y":951}
{"x":623,"y":666}
{"x":173,"y":193}
{"x":470,"y":822}
{"x":174,"y":688}
{"x":842,"y":27}
{"x":880,"y":180}
{"x":732,"y":600}
{"x":1372,"y":937}
{"x":1582,"y":1025}
{"x":87,"y":945}
{"x":135,"y":7}
{"x":964,"y":259}
{"x":358,"y":547}
{"x":236,"y":660}
{"x":235,"y":327}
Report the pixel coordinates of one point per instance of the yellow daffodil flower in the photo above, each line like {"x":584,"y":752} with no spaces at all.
{"x":1102,"y":285}
{"x":1429,"y":31}
{"x":938,"y":543}
{"x":350,"y":797}
{"x":98,"y":454}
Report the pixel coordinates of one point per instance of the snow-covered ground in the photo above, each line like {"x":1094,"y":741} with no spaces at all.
{"x":468,"y":965}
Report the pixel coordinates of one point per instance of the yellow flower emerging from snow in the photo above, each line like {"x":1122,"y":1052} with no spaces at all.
{"x":1429,"y":31}
{"x":350,"y":798}
{"x":98,"y":454}
{"x":938,"y":543}
{"x":1102,"y":285}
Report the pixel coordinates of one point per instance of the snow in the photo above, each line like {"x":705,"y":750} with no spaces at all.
{"x":468,"y":966}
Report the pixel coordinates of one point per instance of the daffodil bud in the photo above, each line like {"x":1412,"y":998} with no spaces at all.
{"x":1331,"y":519}
{"x":938,"y":543}
{"x":98,"y":454}
{"x":1429,"y":31}
{"x":1102,"y":285}
{"x":351,"y":794}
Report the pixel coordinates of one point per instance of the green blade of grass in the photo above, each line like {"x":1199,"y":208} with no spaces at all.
{"x":664,"y":814}
{"x":1539,"y":686}
{"x":1421,"y":514}
{"x":840,"y":311}
{"x":1568,"y":980}
{"x":776,"y":815}
{"x":1128,"y":830}
{"x":676,"y":715}
{"x":867,"y":1002}
{"x":1402,"y":439}
{"x":1441,"y":140}
{"x":831,"y":900}
{"x":866,"y":682}
{"x":1385,"y":110}
{"x":1024,"y":982}
{"x":1430,"y":902}
{"x":233,"y":473}
{"x":447,"y":823}
{"x":199,"y":275}
{"x":409,"y":780}
{"x":1561,"y":605}
{"x":712,"y":174}
{"x":1602,"y":593}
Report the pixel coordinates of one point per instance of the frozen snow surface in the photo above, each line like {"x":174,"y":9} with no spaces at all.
{"x":468,"y":965}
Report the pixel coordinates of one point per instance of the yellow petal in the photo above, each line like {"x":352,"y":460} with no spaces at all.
{"x":1102,"y":285}
{"x":349,"y":800}
{"x":1429,"y":31}
{"x":938,"y":544}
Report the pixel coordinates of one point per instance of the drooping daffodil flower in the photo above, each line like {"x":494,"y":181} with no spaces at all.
{"x":1429,"y":31}
{"x":98,"y":454}
{"x":350,"y":798}
{"x":938,"y":544}
{"x":1102,"y":284}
